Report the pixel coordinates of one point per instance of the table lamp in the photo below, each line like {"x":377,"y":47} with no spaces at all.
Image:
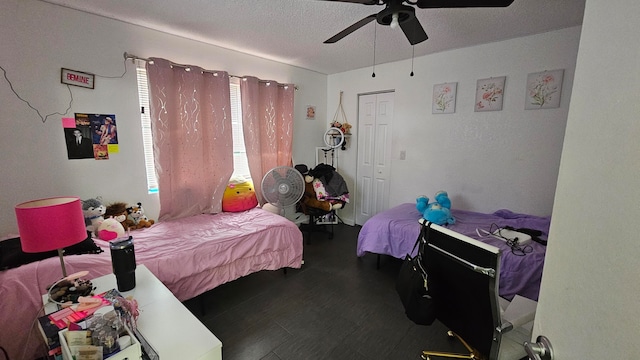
{"x":51,"y":224}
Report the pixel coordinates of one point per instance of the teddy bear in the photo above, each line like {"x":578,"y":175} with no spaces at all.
{"x":118,"y":211}
{"x":422,"y":202}
{"x":310,"y":197}
{"x":93,"y":211}
{"x":442,"y":198}
{"x":436,"y":212}
{"x":138,"y":218}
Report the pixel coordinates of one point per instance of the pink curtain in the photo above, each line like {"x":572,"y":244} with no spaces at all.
{"x":192,"y":139}
{"x":267,"y":122}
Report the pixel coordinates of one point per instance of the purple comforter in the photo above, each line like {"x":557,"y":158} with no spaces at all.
{"x":394,"y":232}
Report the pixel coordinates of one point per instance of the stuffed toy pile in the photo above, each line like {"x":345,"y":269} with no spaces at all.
{"x":324,"y":190}
{"x":122,"y":217}
{"x":437,"y":212}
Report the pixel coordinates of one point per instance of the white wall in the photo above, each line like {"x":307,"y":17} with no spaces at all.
{"x":506,"y":159}
{"x":486,"y":160}
{"x":38,"y":39}
{"x":589,"y":305}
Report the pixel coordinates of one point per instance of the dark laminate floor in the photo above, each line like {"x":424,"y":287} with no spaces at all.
{"x":337,"y":306}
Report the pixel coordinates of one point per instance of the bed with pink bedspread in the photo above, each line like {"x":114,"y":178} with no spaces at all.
{"x":190,"y":256}
{"x":394,"y":232}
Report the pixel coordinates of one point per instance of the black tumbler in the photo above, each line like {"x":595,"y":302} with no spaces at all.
{"x":123,"y":260}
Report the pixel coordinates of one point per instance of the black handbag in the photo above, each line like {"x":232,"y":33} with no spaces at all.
{"x":412,"y":286}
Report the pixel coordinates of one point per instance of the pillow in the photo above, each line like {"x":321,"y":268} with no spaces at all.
{"x":239,"y":195}
{"x":12,"y":256}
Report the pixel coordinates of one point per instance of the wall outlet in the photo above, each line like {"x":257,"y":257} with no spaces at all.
{"x":403,"y":154}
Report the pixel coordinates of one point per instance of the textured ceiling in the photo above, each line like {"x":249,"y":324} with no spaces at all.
{"x":293,"y":31}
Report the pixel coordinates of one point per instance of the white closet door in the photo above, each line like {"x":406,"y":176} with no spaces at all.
{"x":375,"y":115}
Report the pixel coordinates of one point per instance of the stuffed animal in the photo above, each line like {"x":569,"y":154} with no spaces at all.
{"x":239,"y":195}
{"x":110,"y":229}
{"x":118,"y":211}
{"x":310,"y":198}
{"x":422,"y":203}
{"x":436,"y":212}
{"x":138,"y":218}
{"x":442,"y":198}
{"x":93,"y":211}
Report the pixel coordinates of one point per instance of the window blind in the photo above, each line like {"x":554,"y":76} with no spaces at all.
{"x":145,"y":120}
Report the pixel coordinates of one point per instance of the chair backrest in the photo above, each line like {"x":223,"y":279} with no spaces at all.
{"x":463,"y":278}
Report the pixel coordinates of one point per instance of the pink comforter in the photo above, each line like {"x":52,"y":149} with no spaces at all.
{"x":190,"y":256}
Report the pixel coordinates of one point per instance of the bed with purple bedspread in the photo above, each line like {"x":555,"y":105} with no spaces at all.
{"x":394,"y":232}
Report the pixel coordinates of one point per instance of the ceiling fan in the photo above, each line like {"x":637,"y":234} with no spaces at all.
{"x":403,"y":13}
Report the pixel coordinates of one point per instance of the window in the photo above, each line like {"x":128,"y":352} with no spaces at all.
{"x":240,"y":162}
{"x":145,"y":119}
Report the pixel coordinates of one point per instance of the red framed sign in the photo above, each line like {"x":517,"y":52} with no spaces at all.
{"x":77,"y":78}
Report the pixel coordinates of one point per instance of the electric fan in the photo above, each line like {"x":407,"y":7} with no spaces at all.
{"x":283,"y":187}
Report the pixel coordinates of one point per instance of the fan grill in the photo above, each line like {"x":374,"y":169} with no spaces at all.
{"x":282,"y":186}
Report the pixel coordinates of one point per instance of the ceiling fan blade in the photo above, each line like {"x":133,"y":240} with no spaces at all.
{"x":350,"y":29}
{"x":435,"y":4}
{"x":414,"y":31}
{"x":366,"y":2}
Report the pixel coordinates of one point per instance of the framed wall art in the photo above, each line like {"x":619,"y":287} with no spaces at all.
{"x":543,"y":90}
{"x":311,"y":112}
{"x":489,"y":93}
{"x":444,"y":98}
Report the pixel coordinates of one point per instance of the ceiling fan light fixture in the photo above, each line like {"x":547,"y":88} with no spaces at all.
{"x":394,"y":21}
{"x":402,"y":13}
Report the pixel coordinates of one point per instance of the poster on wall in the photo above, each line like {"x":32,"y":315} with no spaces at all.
{"x":444,"y":98}
{"x":90,"y":136}
{"x":489,"y":93}
{"x":78,"y":138}
{"x":543,"y":90}
{"x":103,"y":128}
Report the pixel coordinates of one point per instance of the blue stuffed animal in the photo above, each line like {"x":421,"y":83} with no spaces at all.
{"x":422,"y":203}
{"x":442,"y":198}
{"x":436,"y":212}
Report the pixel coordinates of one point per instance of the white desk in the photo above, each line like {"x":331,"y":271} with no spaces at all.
{"x":164,"y":322}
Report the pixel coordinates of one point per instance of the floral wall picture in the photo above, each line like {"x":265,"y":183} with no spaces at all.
{"x":543,"y":90}
{"x":311,"y":112}
{"x":489,"y":93}
{"x":444,"y":98}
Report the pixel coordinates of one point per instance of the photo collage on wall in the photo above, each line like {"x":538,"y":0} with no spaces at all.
{"x":90,"y":136}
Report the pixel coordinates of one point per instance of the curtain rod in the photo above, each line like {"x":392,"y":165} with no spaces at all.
{"x":128,"y":56}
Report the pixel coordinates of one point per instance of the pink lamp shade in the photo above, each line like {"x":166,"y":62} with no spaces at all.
{"x":50,"y":224}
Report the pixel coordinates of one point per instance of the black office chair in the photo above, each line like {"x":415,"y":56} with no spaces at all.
{"x":463,"y":276}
